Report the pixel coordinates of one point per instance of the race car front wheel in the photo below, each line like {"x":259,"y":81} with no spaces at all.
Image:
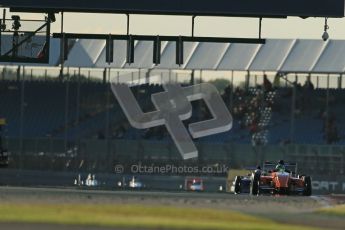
{"x":254,"y":186}
{"x":238,"y":185}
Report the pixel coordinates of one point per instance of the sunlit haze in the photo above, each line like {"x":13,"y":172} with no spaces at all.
{"x":292,"y":27}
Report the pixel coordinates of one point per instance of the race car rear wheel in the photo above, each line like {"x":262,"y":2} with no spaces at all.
{"x":254,"y":187}
{"x":238,"y":185}
{"x":307,"y":186}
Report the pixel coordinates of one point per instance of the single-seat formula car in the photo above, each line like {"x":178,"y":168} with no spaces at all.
{"x":270,"y":180}
{"x":194,"y":184}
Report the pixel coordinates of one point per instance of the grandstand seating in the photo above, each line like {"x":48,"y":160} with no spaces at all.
{"x":44,"y":113}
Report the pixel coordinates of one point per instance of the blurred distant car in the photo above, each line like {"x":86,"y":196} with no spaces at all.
{"x":89,"y":182}
{"x":135,"y":183}
{"x":194,"y":184}
{"x":268,"y":180}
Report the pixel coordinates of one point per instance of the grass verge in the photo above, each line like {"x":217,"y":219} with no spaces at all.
{"x":338,"y":210}
{"x":137,"y":216}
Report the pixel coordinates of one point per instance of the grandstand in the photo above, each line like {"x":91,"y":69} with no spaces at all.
{"x":75,"y":119}
{"x":86,"y":117}
{"x":288,"y":105}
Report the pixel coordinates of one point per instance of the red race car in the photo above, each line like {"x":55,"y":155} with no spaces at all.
{"x":194,"y":184}
{"x":280,"y":179}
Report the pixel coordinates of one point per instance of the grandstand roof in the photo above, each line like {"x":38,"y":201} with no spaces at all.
{"x":247,"y":8}
{"x":281,"y":55}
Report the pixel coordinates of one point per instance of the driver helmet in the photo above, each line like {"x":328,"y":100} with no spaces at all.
{"x":281,"y":162}
{"x":280,"y":168}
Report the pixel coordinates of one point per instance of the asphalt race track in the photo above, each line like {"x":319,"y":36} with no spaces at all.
{"x":292,"y":210}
